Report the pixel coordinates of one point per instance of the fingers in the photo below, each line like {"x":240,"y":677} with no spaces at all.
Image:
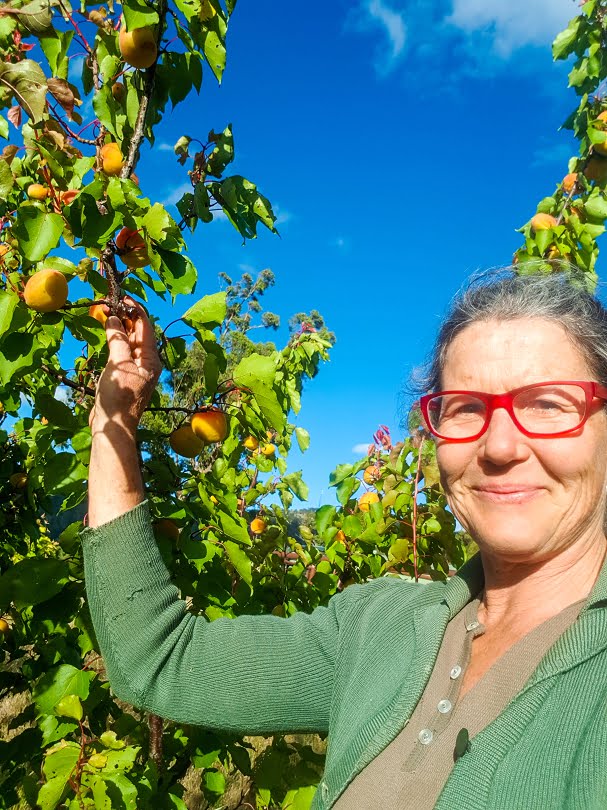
{"x":118,"y":341}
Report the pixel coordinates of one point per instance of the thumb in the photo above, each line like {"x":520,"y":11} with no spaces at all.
{"x":118,"y":342}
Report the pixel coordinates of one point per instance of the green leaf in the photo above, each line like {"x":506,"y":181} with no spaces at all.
{"x":234,"y":527}
{"x":122,"y":791}
{"x":32,"y":580}
{"x":565,"y":41}
{"x":51,"y":793}
{"x":215,"y":782}
{"x":300,"y":799}
{"x":25,"y":81}
{"x":109,"y":739}
{"x":63,"y":472}
{"x":3,"y":127}
{"x":297,"y":486}
{"x":239,"y":560}
{"x":324,"y":518}
{"x":341,"y":472}
{"x":208,"y":312}
{"x":57,"y":412}
{"x":8,"y":302}
{"x":177,"y":271}
{"x":303,"y":438}
{"x":256,"y":373}
{"x":37,"y":230}
{"x":223,"y":153}
{"x":55,"y":49}
{"x":7,"y":180}
{"x":54,"y":685}
{"x":138,"y":14}
{"x":596,"y":207}
{"x":60,"y":760}
{"x":345,"y":489}
{"x":69,"y":706}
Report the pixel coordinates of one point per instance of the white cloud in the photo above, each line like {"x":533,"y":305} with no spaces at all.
{"x":62,"y":394}
{"x":176,"y":194}
{"x":371,"y":15}
{"x":549,"y":151}
{"x":512,"y":24}
{"x":361,"y":449}
{"x":281,"y":214}
{"x":164,"y":147}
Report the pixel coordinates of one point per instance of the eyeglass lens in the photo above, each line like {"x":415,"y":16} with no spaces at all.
{"x":546,"y":409}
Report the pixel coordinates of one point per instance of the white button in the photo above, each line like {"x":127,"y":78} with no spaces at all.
{"x":455,"y":672}
{"x":472,"y":625}
{"x":425,"y":736}
{"x":444,"y":706}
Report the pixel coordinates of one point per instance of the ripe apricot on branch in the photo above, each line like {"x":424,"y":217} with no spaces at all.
{"x":18,"y":480}
{"x":365,"y":501}
{"x":36,"y":191}
{"x":210,"y":426}
{"x":258,"y":525}
{"x":251,"y":443}
{"x":4,"y":627}
{"x":268,"y":449}
{"x":569,"y":182}
{"x":601,"y":148}
{"x":185,"y":442}
{"x":138,"y":47}
{"x":111,"y":159}
{"x":97,"y":311}
{"x":132,"y":248}
{"x":371,"y":474}
{"x":542,"y":222}
{"x":596,"y":170}
{"x":118,"y":92}
{"x":46,"y":291}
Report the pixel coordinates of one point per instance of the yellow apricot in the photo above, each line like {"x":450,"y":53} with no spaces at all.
{"x":46,"y":291}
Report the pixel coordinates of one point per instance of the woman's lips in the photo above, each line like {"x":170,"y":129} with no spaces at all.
{"x":507,"y":493}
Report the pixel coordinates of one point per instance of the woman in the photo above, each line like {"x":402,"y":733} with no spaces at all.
{"x":488,"y":691}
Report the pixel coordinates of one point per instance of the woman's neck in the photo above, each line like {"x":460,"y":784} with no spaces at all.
{"x":522,"y":595}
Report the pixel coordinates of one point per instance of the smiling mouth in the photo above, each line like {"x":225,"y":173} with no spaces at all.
{"x":508,"y":494}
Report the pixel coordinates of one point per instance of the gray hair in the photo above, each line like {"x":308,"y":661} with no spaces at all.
{"x":505,"y":295}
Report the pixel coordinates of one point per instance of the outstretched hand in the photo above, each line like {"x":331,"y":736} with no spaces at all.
{"x":130,"y":376}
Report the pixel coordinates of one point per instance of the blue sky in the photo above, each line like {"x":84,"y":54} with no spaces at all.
{"x":402,"y":143}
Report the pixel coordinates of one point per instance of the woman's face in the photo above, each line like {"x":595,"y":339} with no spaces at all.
{"x":520,"y":498}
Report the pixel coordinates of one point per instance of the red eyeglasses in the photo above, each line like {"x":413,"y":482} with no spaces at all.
{"x":543,"y":410}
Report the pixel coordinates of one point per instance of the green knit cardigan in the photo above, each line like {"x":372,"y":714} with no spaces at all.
{"x":355,"y":669}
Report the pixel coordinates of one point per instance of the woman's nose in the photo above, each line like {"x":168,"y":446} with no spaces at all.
{"x":502,"y":442}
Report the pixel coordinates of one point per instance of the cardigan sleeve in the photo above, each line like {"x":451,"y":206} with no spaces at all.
{"x":252,"y":674}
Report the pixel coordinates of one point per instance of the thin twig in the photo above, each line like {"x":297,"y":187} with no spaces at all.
{"x":83,"y":389}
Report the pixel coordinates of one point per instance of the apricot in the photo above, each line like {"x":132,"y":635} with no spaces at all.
{"x":18,"y":480}
{"x":4,"y":627}
{"x":258,"y":525}
{"x":4,"y":249}
{"x":542,"y":222}
{"x":569,"y":182}
{"x":211,"y":426}
{"x":138,"y":47}
{"x":111,"y":159}
{"x":132,"y":248}
{"x":36,"y":191}
{"x":601,"y":148}
{"x":46,"y":291}
{"x":365,"y":501}
{"x":596,"y":170}
{"x":167,"y":528}
{"x":268,"y":449}
{"x":97,"y":311}
{"x":251,"y":443}
{"x":119,"y":92}
{"x":371,"y":474}
{"x":185,"y":442}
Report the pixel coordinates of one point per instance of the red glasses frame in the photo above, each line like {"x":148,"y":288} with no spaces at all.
{"x":592,"y":390}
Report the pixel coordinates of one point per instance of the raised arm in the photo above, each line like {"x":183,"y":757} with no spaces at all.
{"x":123,"y":392}
{"x":251,"y":674}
